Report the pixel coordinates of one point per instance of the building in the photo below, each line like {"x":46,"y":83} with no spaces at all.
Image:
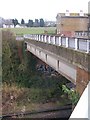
{"x":1,"y":22}
{"x":50,"y":23}
{"x":72,"y":24}
{"x":8,"y":23}
{"x":89,"y":19}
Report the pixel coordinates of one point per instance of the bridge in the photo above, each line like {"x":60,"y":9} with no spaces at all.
{"x":68,"y":56}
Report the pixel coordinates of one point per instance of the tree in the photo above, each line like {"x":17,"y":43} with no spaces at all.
{"x":41,"y":22}
{"x":15,"y":22}
{"x":30,"y":23}
{"x":36,"y":23}
{"x":9,"y":55}
{"x":22,"y":21}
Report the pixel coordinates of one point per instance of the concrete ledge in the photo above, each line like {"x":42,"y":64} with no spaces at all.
{"x":80,"y":59}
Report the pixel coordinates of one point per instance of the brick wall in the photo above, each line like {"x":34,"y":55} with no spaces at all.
{"x":72,"y":24}
{"x":83,"y":77}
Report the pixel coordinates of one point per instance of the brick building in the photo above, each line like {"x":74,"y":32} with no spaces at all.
{"x":89,"y":19}
{"x":72,"y":24}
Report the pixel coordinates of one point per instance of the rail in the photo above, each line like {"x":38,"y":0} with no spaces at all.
{"x":78,"y":44}
{"x":65,"y":108}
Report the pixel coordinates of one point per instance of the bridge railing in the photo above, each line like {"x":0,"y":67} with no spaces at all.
{"x":81,"y":44}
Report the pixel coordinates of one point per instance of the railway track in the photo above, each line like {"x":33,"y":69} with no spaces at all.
{"x":59,"y":112}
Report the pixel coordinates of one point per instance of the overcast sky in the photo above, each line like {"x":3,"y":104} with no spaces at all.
{"x":47,"y":9}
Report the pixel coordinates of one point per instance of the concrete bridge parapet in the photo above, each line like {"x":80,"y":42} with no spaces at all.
{"x":80,"y":44}
{"x":73,"y":64}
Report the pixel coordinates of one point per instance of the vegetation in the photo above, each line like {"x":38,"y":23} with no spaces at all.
{"x":37,"y":23}
{"x":15,"y":22}
{"x":72,"y":94}
{"x":30,"y":23}
{"x":21,"y":80}
{"x":41,"y":22}
{"x":22,"y":21}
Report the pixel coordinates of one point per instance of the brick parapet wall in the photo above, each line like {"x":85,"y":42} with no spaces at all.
{"x":83,"y":77}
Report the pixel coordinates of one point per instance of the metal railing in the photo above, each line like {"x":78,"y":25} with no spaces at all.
{"x":80,"y":44}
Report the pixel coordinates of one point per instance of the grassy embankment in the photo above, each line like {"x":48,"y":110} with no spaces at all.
{"x":23,"y":86}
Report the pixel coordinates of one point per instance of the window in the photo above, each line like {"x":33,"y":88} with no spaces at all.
{"x":89,"y":29}
{"x":76,"y":34}
{"x":79,"y":34}
{"x":88,"y":33}
{"x":85,"y":34}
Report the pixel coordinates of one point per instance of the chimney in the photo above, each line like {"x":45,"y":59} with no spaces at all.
{"x":81,"y":13}
{"x":67,"y":13}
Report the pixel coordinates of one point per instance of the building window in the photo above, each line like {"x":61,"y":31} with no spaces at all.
{"x":89,"y":33}
{"x":79,"y":34}
{"x":89,"y":29}
{"x":85,"y":34}
{"x":76,"y":34}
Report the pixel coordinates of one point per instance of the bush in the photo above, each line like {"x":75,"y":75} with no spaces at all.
{"x":72,"y":94}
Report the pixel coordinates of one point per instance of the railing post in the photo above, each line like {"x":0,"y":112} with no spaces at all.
{"x":54,"y":40}
{"x":88,"y":46}
{"x":67,"y":42}
{"x":59,"y":41}
{"x":31,"y":36}
{"x":49,"y":39}
{"x":36,"y":37}
{"x":76,"y":44}
{"x":42,"y":38}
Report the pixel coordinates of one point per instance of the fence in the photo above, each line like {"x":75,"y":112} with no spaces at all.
{"x":81,"y":44}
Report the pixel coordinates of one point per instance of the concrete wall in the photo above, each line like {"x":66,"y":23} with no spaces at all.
{"x":76,"y":58}
{"x":74,"y":65}
{"x":66,"y":69}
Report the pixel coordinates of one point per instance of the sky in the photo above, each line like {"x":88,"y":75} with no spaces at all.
{"x":46,"y":9}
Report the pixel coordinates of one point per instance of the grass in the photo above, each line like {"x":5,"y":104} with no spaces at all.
{"x":32,"y":30}
{"x":22,"y":97}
